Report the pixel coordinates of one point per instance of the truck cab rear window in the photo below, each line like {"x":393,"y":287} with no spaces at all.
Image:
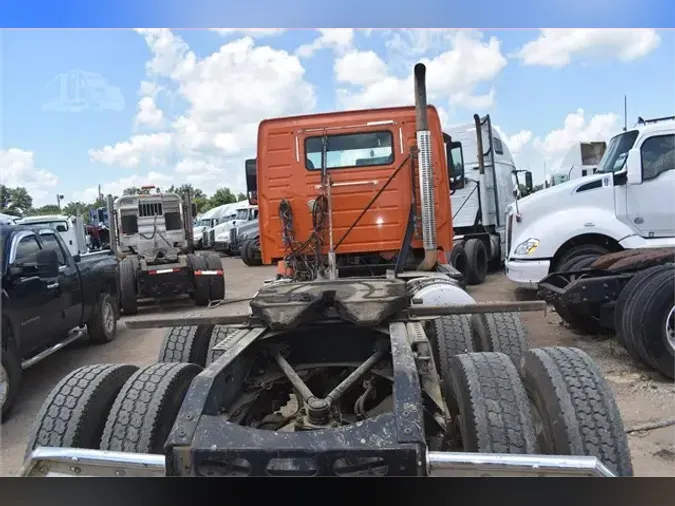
{"x":365,"y":149}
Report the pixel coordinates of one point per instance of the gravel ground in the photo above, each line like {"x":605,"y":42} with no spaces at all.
{"x":643,"y":396}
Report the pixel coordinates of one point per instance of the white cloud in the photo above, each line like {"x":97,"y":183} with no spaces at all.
{"x":150,"y":148}
{"x":453,"y":75}
{"x":549,"y":152}
{"x":116,"y":188}
{"x":227,"y":94}
{"x":338,"y":39}
{"x":252,"y":32}
{"x":148,"y":114}
{"x":17,"y":169}
{"x":556,"y":48}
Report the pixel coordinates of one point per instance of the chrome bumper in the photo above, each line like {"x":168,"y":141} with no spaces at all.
{"x":56,"y":462}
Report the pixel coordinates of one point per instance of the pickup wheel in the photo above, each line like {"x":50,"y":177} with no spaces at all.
{"x":74,"y":413}
{"x":254,"y":252}
{"x":488,"y":405}
{"x":217,"y":282}
{"x":186,"y":344}
{"x":500,"y":332}
{"x":10,"y":374}
{"x":202,"y":287}
{"x":128,"y":287}
{"x":477,"y":257}
{"x":573,"y":408}
{"x":102,"y":325}
{"x":146,"y":408}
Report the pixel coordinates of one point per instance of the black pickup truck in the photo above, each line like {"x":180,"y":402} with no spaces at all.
{"x":48,"y":297}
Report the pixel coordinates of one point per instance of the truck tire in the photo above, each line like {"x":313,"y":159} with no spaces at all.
{"x":449,"y":336}
{"x":244,"y":252}
{"x":488,"y":405}
{"x":477,"y":257}
{"x":186,"y":344}
{"x":500,"y":332}
{"x":621,"y":314}
{"x":584,"y":322}
{"x":459,"y":260}
{"x":651,"y":322}
{"x":578,"y":252}
{"x":10,"y":374}
{"x":222,"y":333}
{"x":146,"y":408}
{"x":74,"y":413}
{"x":202,"y":284}
{"x":574,"y":410}
{"x":254,"y":253}
{"x":128,"y":287}
{"x":213,"y":263}
{"x":102,"y":325}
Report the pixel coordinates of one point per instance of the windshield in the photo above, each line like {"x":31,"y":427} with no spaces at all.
{"x":242,"y":214}
{"x":204,"y":223}
{"x":615,"y":157}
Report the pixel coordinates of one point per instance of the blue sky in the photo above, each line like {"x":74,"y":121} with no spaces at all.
{"x":215,"y":87}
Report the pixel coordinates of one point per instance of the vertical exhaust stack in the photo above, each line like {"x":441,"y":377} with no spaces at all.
{"x":426,"y":173}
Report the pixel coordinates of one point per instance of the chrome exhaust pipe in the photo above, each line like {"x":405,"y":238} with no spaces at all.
{"x":426,"y":173}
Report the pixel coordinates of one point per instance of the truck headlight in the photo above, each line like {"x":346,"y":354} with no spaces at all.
{"x":527,"y":247}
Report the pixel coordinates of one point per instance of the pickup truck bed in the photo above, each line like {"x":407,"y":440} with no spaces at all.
{"x":42,"y":309}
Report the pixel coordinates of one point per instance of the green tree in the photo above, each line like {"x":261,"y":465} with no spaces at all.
{"x":131,"y":191}
{"x":15,"y":201}
{"x":241,"y":196}
{"x":223,"y":196}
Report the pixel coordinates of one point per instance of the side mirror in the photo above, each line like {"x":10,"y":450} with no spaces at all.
{"x":194,"y":209}
{"x":528,"y":181}
{"x":47,"y":263}
{"x":634,"y":167}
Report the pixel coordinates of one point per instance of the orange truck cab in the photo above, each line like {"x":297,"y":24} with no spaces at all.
{"x":375,"y":196}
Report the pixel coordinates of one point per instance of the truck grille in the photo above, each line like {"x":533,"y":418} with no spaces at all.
{"x":233,"y":235}
{"x":212,"y":236}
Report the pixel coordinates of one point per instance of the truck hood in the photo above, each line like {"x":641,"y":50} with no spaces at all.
{"x":544,"y":199}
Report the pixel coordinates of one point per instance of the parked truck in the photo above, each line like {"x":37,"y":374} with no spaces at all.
{"x":362,"y":358}
{"x":485,"y":182}
{"x":156,"y":246}
{"x":50,"y":298}
{"x":225,"y":233}
{"x":623,"y":206}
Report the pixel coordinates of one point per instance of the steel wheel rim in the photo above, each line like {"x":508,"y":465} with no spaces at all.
{"x":4,"y":385}
{"x":108,"y":318}
{"x":670,"y":329}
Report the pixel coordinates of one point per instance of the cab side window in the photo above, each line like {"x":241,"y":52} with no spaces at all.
{"x":658,"y":155}
{"x":51,"y":243}
{"x":27,"y":250}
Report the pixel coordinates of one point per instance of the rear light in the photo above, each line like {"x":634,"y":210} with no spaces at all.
{"x":209,"y":273}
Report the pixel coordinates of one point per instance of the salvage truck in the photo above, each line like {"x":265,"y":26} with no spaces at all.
{"x":50,"y":298}
{"x":364,"y":357}
{"x":154,"y":241}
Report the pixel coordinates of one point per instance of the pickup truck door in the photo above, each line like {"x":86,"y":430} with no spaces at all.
{"x":649,"y":204}
{"x":34,"y":300}
{"x":70,"y":289}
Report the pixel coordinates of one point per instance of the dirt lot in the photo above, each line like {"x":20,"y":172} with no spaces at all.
{"x":643,"y":395}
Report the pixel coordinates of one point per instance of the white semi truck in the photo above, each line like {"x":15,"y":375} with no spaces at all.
{"x":484,"y":174}
{"x":626,"y":204}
